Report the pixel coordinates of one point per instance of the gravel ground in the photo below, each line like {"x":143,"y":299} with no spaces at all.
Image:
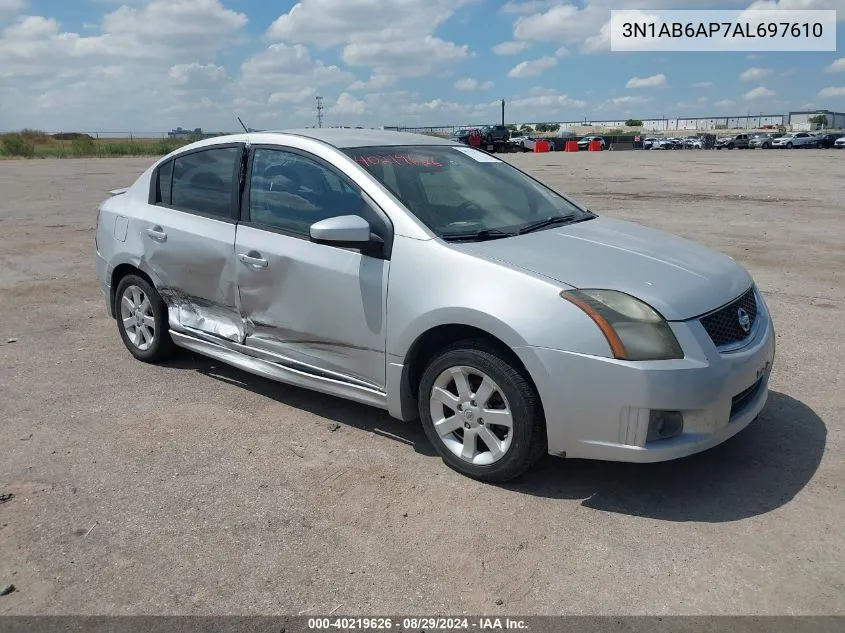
{"x":193,"y":488}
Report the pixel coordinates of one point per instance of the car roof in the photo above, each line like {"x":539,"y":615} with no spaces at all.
{"x":346,"y":137}
{"x":341,"y":138}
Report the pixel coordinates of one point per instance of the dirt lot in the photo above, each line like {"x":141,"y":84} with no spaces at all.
{"x":194,"y":488}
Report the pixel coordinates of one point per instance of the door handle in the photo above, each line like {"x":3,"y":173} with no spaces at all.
{"x":254,"y":261}
{"x":157,"y":233}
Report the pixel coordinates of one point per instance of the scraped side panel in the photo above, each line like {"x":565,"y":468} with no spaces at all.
{"x":192,"y":258}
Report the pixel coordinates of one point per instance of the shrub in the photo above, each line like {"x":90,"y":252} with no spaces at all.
{"x":17,"y":145}
{"x":634,"y":123}
{"x":83,"y":146}
{"x":35,"y":136}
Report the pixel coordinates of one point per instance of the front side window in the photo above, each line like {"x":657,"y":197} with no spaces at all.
{"x":458,"y":191}
{"x":291,"y":192}
{"x":203,"y":181}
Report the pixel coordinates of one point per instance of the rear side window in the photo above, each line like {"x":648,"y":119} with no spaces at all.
{"x":203,"y":181}
{"x":165,"y":179}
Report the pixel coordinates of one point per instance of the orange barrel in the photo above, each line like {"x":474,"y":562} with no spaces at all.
{"x":595,"y":146}
{"x":571,"y":146}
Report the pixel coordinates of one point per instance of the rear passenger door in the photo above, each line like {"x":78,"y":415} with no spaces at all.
{"x":189,"y":236}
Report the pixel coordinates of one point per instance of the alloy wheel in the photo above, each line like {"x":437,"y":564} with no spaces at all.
{"x":471,"y":415}
{"x":136,"y":312}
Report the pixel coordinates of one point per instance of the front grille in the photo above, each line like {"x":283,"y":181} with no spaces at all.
{"x":743,"y":398}
{"x":723,"y":325}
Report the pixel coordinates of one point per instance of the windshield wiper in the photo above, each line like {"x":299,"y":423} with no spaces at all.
{"x":551,"y":221}
{"x":483,"y":234}
{"x":554,"y":221}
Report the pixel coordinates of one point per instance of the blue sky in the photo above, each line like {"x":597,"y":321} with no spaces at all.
{"x":150,"y":65}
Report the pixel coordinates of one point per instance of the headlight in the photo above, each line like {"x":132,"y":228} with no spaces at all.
{"x":633,"y":329}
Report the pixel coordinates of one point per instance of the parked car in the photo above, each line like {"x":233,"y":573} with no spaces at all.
{"x":828,"y":140}
{"x":739,"y":141}
{"x":794,"y":139}
{"x":495,"y":134}
{"x":693,"y":143}
{"x":526,"y":143}
{"x":649,"y":142}
{"x":584,"y":143}
{"x":760,"y":141}
{"x":461,"y":136}
{"x":839,"y":143}
{"x":338,"y":260}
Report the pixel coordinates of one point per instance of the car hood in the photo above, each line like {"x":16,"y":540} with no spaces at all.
{"x":678,"y":277}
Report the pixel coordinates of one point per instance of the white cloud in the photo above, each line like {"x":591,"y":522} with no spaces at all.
{"x":409,"y":58}
{"x":801,"y":4}
{"x":196,"y":75}
{"x":838,"y":66}
{"x":693,"y":105}
{"x":529,"y":6}
{"x":629,"y":100}
{"x":468,"y":84}
{"x":328,"y":23}
{"x":510,"y":48}
{"x":11,"y":7}
{"x":760,"y":92}
{"x":755,"y":74}
{"x":293,"y":96}
{"x":655,"y":81}
{"x":532,"y":68}
{"x":724,"y":103}
{"x":562,"y":52}
{"x":551,"y":102}
{"x":832,"y":91}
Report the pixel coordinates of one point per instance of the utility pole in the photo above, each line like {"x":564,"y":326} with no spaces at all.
{"x":503,"y":112}
{"x":319,"y":111}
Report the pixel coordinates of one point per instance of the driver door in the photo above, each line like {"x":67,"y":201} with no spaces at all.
{"x":319,"y":305}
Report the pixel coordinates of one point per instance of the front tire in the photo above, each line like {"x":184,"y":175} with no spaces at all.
{"x":142,"y":320}
{"x":481,"y":413}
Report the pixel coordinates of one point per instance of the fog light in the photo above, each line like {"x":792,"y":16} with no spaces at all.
{"x":664,"y":424}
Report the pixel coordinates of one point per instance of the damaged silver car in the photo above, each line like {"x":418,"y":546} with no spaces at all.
{"x":439,"y":283}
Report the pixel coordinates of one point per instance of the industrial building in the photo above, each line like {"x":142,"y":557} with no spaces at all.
{"x":796,"y":121}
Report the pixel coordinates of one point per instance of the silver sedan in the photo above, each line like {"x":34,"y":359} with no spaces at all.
{"x":439,"y":283}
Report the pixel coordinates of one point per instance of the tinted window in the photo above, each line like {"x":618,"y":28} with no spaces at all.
{"x":202,"y":181}
{"x":165,"y":176}
{"x":290,"y":192}
{"x":455,"y":189}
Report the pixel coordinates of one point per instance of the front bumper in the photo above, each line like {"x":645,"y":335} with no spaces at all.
{"x":599,"y":408}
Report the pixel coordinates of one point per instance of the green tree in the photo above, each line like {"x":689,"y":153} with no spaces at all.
{"x":552,"y":127}
{"x":819,"y":121}
{"x":526,"y":129}
{"x":542,"y":127}
{"x":634,"y":123}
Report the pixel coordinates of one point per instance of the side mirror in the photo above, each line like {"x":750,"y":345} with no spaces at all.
{"x":351,"y":231}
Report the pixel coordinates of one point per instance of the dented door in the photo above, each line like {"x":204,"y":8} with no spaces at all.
{"x":315,"y":304}
{"x":188,"y":232}
{"x":193,"y":258}
{"x":321,"y":306}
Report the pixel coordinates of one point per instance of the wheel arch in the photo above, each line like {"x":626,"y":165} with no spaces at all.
{"x":118,"y":272}
{"x":403,"y":379}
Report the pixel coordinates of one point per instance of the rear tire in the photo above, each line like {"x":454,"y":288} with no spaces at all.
{"x":142,"y":320}
{"x":466,"y":383}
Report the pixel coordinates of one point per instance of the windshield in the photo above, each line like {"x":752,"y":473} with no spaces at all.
{"x":460,"y":192}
